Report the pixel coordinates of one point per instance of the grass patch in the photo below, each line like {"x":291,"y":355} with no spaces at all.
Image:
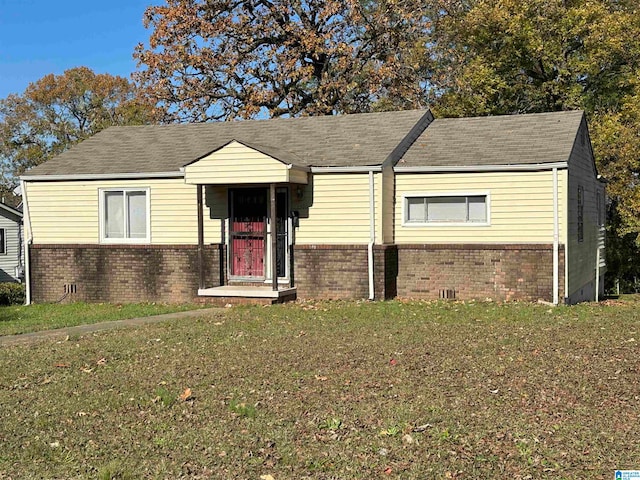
{"x":33,"y":318}
{"x":333,"y":390}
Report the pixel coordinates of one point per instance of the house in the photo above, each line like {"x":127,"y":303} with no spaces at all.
{"x":11,"y":258}
{"x":373,"y":205}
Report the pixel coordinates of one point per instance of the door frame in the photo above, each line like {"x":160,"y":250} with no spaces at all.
{"x":266,"y":277}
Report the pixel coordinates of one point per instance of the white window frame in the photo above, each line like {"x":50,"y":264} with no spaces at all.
{"x":101,"y":213}
{"x":482,"y":193}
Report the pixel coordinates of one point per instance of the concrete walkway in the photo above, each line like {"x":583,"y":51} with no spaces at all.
{"x":28,"y":338}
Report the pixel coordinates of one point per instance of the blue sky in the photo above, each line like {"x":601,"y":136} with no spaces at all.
{"x":38,"y":37}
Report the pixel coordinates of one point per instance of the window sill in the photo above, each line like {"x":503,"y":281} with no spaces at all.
{"x":445,"y":224}
{"x":125,"y":241}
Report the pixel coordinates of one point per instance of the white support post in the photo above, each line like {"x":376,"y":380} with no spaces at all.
{"x":556,"y":239}
{"x":372,"y":232}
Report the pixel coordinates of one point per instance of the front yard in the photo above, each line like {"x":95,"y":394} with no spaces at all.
{"x":333,"y":390}
{"x":21,"y":319}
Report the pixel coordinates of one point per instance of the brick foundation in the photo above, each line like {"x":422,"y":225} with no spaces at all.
{"x":169,"y":273}
{"x":331,"y":271}
{"x":499,"y":272}
{"x":121,"y":273}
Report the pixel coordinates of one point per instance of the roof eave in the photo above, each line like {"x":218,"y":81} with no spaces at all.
{"x":101,"y":176}
{"x":354,"y":169}
{"x":481,"y":168}
{"x":11,"y":210}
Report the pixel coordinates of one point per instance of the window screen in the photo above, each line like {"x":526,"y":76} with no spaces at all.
{"x":125,"y":214}
{"x":454,"y":209}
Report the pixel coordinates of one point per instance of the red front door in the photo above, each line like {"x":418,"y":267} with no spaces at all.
{"x":248,"y":232}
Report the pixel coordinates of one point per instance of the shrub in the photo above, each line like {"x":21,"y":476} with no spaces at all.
{"x":11,"y":293}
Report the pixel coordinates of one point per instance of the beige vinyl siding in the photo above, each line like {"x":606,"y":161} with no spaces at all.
{"x":335,"y":209}
{"x":11,"y":258}
{"x":68,"y":212}
{"x":521,"y":207}
{"x":237,"y":163}
{"x":581,"y":265}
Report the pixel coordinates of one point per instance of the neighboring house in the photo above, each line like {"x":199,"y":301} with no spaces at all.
{"x":355,"y":206}
{"x":11,"y":258}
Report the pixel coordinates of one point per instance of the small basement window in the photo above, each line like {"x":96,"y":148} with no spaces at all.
{"x":448,"y":209}
{"x":3,"y":241}
{"x":124,"y":215}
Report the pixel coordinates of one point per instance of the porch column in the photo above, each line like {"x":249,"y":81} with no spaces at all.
{"x":200,"y":238}
{"x":274,"y":239}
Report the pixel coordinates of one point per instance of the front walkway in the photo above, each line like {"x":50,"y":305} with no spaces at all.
{"x":28,"y":338}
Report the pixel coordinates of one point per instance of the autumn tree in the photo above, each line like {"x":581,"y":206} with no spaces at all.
{"x":521,"y":56}
{"x":58,"y":111}
{"x":220,"y":59}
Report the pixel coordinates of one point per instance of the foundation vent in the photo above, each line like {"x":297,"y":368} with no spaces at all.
{"x":447,"y":294}
{"x":70,"y":288}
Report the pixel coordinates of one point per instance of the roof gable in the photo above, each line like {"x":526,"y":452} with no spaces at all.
{"x":230,"y":163}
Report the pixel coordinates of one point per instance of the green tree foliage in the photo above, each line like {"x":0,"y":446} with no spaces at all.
{"x":220,"y":59}
{"x":58,"y":111}
{"x":520,"y":56}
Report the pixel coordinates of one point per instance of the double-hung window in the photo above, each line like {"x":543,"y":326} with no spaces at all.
{"x":125,"y":215}
{"x":449,"y":209}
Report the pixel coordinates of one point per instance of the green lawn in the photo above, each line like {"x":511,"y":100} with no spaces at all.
{"x":333,"y":391}
{"x":32,"y":318}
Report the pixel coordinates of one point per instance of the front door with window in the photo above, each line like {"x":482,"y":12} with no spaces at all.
{"x":248,"y":232}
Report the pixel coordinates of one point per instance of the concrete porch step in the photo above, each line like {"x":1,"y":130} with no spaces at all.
{"x":235,"y":294}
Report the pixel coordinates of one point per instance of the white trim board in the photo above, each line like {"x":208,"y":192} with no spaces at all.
{"x":481,"y":168}
{"x":101,"y":176}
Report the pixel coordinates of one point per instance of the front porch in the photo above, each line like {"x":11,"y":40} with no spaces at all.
{"x":257,"y":222}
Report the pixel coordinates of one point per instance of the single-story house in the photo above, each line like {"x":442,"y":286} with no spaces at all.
{"x":11,"y":269}
{"x":373,"y":205}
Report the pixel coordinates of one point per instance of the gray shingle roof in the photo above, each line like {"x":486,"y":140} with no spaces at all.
{"x":341,"y":140}
{"x":499,"y":140}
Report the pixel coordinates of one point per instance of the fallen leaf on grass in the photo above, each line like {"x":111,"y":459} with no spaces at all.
{"x":388,"y":471}
{"x":62,"y":365}
{"x":422,"y":428}
{"x":266,"y":477}
{"x":392,"y":362}
{"x":322,"y":378}
{"x":102,"y":361}
{"x":186,"y":395}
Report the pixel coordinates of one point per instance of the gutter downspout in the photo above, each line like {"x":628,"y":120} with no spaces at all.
{"x":556,"y":239}
{"x":372,"y":232}
{"x":598,"y":269}
{"x":28,"y":240}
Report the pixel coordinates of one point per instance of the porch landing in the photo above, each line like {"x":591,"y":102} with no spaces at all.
{"x":283,"y":294}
